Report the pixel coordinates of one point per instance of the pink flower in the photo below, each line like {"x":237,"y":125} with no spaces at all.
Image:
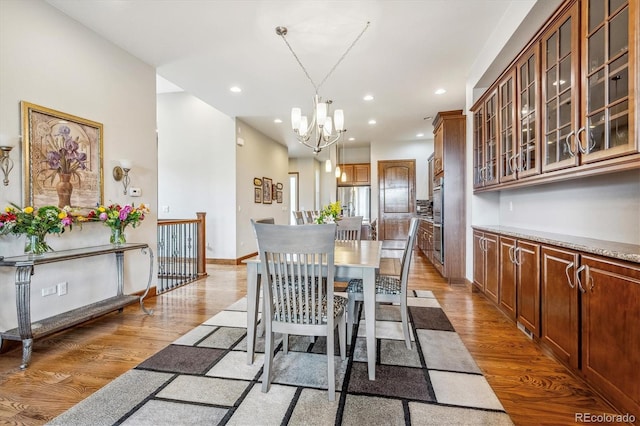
{"x":103,"y":216}
{"x":66,"y":221}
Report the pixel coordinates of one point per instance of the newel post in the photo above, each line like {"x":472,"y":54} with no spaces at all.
{"x":202,"y":244}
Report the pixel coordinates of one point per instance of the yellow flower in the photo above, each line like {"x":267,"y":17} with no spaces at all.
{"x":101,"y":209}
{"x":28,"y":210}
{"x":62,"y":215}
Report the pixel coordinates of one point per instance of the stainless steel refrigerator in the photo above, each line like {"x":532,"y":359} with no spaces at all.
{"x":355,"y":201}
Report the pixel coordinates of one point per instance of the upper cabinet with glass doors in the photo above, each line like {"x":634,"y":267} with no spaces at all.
{"x":560,"y":91}
{"x":575,"y":100}
{"x":609,"y":68}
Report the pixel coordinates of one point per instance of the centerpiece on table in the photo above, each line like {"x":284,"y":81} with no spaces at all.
{"x":329,"y":213}
{"x":35,"y":223}
{"x":117,"y":218}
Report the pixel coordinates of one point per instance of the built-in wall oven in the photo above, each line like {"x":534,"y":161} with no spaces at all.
{"x":438,"y":221}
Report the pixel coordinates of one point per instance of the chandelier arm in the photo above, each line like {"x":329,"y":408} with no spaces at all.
{"x":341,"y":58}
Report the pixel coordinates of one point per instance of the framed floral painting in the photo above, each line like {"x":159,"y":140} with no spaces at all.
{"x":257,"y":195}
{"x":62,"y":158}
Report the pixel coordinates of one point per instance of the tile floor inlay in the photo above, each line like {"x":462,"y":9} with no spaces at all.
{"x":203,"y":379}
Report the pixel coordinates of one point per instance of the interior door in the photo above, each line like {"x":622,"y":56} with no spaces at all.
{"x":397,"y":198}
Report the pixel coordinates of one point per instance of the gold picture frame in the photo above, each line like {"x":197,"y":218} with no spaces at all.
{"x":62,"y":158}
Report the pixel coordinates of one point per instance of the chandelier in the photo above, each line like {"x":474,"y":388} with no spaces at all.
{"x":323,"y":130}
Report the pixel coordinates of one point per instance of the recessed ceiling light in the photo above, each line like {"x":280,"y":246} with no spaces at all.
{"x":352,"y":139}
{"x":372,"y":121}
{"x":419,"y":135}
{"x":235,"y":89}
{"x":277,"y":120}
{"x":440,"y":92}
{"x":368,"y":97}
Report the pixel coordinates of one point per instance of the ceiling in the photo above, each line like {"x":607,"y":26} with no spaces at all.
{"x":410,"y":49}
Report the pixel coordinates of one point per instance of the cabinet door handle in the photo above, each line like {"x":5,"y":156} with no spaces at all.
{"x":480,"y":243}
{"x":516,"y":163}
{"x":578,"y":271}
{"x":579,"y":142}
{"x":511,"y":254}
{"x":566,"y":141}
{"x":512,"y":164}
{"x":517,"y":256}
{"x":566,"y":271}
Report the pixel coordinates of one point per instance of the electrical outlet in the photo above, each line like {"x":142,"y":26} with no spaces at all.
{"x":48,"y":291}
{"x":135,"y":192}
{"x":62,"y":288}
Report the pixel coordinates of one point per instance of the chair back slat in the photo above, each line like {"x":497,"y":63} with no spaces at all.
{"x":408,"y":251}
{"x":349,"y":228}
{"x":298,"y":263}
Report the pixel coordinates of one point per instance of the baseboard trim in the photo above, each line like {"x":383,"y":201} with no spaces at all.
{"x":237,"y":261}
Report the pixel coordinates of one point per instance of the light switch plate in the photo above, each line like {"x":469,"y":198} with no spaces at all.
{"x":135,"y":192}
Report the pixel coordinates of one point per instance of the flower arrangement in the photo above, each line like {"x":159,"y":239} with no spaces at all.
{"x":35,"y":223}
{"x":117,"y":218}
{"x":63,"y":156}
{"x":329,"y":213}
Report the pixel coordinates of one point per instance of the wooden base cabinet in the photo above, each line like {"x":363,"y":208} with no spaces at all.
{"x":527,"y":258}
{"x":485,"y":264}
{"x":560,"y":317}
{"x":611,"y":329}
{"x":508,"y":277}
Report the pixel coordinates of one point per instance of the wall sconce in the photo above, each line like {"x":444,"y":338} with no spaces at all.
{"x":6,"y":163}
{"x":121,"y":173}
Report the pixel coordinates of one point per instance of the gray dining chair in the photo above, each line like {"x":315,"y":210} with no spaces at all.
{"x":349,"y":228}
{"x":389,"y":289}
{"x":298,"y":264}
{"x":308,"y":216}
{"x":299,"y":217}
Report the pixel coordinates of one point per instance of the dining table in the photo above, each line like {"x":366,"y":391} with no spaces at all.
{"x":352,"y":259}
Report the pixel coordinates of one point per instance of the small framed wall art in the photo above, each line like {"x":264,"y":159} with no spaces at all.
{"x":257,"y":195}
{"x":267,"y":188}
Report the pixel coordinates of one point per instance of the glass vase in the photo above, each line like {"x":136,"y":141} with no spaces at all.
{"x":117,"y":236}
{"x":36,"y":246}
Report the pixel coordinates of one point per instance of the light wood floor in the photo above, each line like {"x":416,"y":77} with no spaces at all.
{"x":70,"y":366}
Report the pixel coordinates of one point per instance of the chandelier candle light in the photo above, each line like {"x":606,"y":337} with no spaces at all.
{"x":323,"y":130}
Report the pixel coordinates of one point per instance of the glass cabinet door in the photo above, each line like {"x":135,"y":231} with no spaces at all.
{"x":490,"y":174}
{"x":609,"y":64}
{"x":478,"y":147}
{"x":560,"y":93}
{"x":507,"y":124}
{"x":527,"y":162}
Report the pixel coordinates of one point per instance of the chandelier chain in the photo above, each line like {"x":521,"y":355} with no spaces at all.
{"x":317,"y":87}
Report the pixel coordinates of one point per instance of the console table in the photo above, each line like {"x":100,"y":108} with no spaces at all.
{"x":25,"y":265}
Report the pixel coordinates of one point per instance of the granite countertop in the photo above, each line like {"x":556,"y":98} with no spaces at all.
{"x":612,"y":249}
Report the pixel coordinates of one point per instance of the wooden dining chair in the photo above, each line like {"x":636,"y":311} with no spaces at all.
{"x":298,"y":264}
{"x":349,"y":228}
{"x":299,"y":217}
{"x":389,"y":289}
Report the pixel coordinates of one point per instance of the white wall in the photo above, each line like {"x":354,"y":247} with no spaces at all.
{"x":306,"y":169}
{"x":51,"y":60}
{"x":603,"y":207}
{"x":260,"y":157}
{"x":196,"y":168}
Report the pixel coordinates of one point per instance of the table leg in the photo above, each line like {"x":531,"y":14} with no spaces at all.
{"x":369,"y":291}
{"x":147,"y":311}
{"x":23,"y":305}
{"x":252,"y":308}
